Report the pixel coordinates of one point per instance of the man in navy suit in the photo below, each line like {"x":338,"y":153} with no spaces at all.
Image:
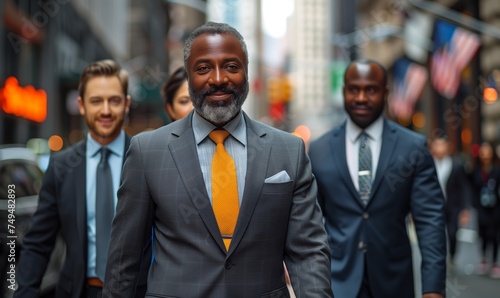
{"x":372,"y":174}
{"x":68,"y":200}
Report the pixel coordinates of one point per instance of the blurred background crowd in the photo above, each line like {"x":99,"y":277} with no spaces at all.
{"x":443,"y":59}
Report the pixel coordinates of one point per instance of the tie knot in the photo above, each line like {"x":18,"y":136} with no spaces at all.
{"x":218,"y":136}
{"x":363,"y":137}
{"x":105,"y":154}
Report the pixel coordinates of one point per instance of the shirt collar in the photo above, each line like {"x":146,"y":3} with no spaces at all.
{"x":116,"y":147}
{"x":374,"y":131}
{"x":236,"y":128}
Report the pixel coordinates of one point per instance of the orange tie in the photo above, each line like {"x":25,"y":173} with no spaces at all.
{"x":224,"y":187}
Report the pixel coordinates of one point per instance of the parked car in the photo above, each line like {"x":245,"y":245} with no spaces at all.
{"x":20,"y":182}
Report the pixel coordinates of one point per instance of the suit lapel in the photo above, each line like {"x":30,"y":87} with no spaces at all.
{"x":338,"y":149}
{"x":389,"y":143}
{"x":80,"y":183}
{"x":185,"y":155}
{"x":125,"y":149}
{"x":259,"y":150}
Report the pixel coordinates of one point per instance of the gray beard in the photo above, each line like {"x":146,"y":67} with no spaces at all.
{"x":219,"y":114}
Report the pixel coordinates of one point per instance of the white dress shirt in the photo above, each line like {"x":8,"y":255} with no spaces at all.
{"x":443,"y":169}
{"x":374,"y":140}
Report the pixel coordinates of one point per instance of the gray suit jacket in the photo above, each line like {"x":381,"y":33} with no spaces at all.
{"x":163,"y":188}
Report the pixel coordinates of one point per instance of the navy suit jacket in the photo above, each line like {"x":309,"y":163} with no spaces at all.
{"x":405,"y":182}
{"x":61,"y":209}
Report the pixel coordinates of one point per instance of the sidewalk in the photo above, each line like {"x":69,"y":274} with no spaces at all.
{"x":462,"y":282}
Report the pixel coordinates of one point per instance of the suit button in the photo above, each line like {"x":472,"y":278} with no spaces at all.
{"x":228,"y":265}
{"x":362,"y":246}
{"x":365,"y":215}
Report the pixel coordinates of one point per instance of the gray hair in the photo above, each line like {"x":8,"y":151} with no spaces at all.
{"x":213,"y":28}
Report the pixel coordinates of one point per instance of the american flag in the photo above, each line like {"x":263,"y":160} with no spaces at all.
{"x":409,"y":79}
{"x":454,"y":48}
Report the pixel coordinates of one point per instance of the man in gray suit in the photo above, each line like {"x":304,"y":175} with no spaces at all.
{"x":371,"y":174}
{"x":168,"y":185}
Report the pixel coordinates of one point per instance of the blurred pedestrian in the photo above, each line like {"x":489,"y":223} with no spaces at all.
{"x":486,"y":179}
{"x":78,"y":193}
{"x":455,"y":186}
{"x":230,"y":198}
{"x":371,"y":174}
{"x":175,"y":95}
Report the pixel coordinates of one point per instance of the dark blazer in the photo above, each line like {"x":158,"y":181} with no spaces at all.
{"x":457,"y":188}
{"x":163,"y":187}
{"x":458,"y":191}
{"x":62,"y":208}
{"x":405,"y":182}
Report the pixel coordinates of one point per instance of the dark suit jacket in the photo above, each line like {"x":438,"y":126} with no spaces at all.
{"x":405,"y":182}
{"x":457,"y":188}
{"x":163,"y":187}
{"x":61,"y":208}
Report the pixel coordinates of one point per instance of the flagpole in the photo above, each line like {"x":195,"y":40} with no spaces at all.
{"x":456,"y":17}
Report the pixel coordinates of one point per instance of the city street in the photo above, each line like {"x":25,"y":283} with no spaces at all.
{"x":462,"y":281}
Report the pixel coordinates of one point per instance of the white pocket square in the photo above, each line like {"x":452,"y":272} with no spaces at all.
{"x":280,"y":177}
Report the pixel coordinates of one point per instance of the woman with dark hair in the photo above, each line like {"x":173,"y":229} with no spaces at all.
{"x":175,"y":95}
{"x":486,"y":182}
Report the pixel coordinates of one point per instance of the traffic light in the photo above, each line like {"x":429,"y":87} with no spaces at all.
{"x":279,"y":90}
{"x":273,"y":90}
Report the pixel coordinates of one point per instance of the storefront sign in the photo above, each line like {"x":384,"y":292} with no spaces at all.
{"x":26,"y":102}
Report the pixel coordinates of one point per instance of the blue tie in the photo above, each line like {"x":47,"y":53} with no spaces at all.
{"x":104,"y":209}
{"x":365,"y":168}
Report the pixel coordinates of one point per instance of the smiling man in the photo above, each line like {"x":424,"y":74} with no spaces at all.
{"x":230,"y":199}
{"x":372,"y":174}
{"x":78,"y":194}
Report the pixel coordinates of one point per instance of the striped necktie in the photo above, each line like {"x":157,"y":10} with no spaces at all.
{"x":365,"y":168}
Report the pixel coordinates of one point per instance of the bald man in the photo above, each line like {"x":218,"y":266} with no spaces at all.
{"x":372,"y":174}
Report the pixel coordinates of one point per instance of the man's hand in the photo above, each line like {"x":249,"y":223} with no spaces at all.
{"x":464,"y":218}
{"x":432,"y":295}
